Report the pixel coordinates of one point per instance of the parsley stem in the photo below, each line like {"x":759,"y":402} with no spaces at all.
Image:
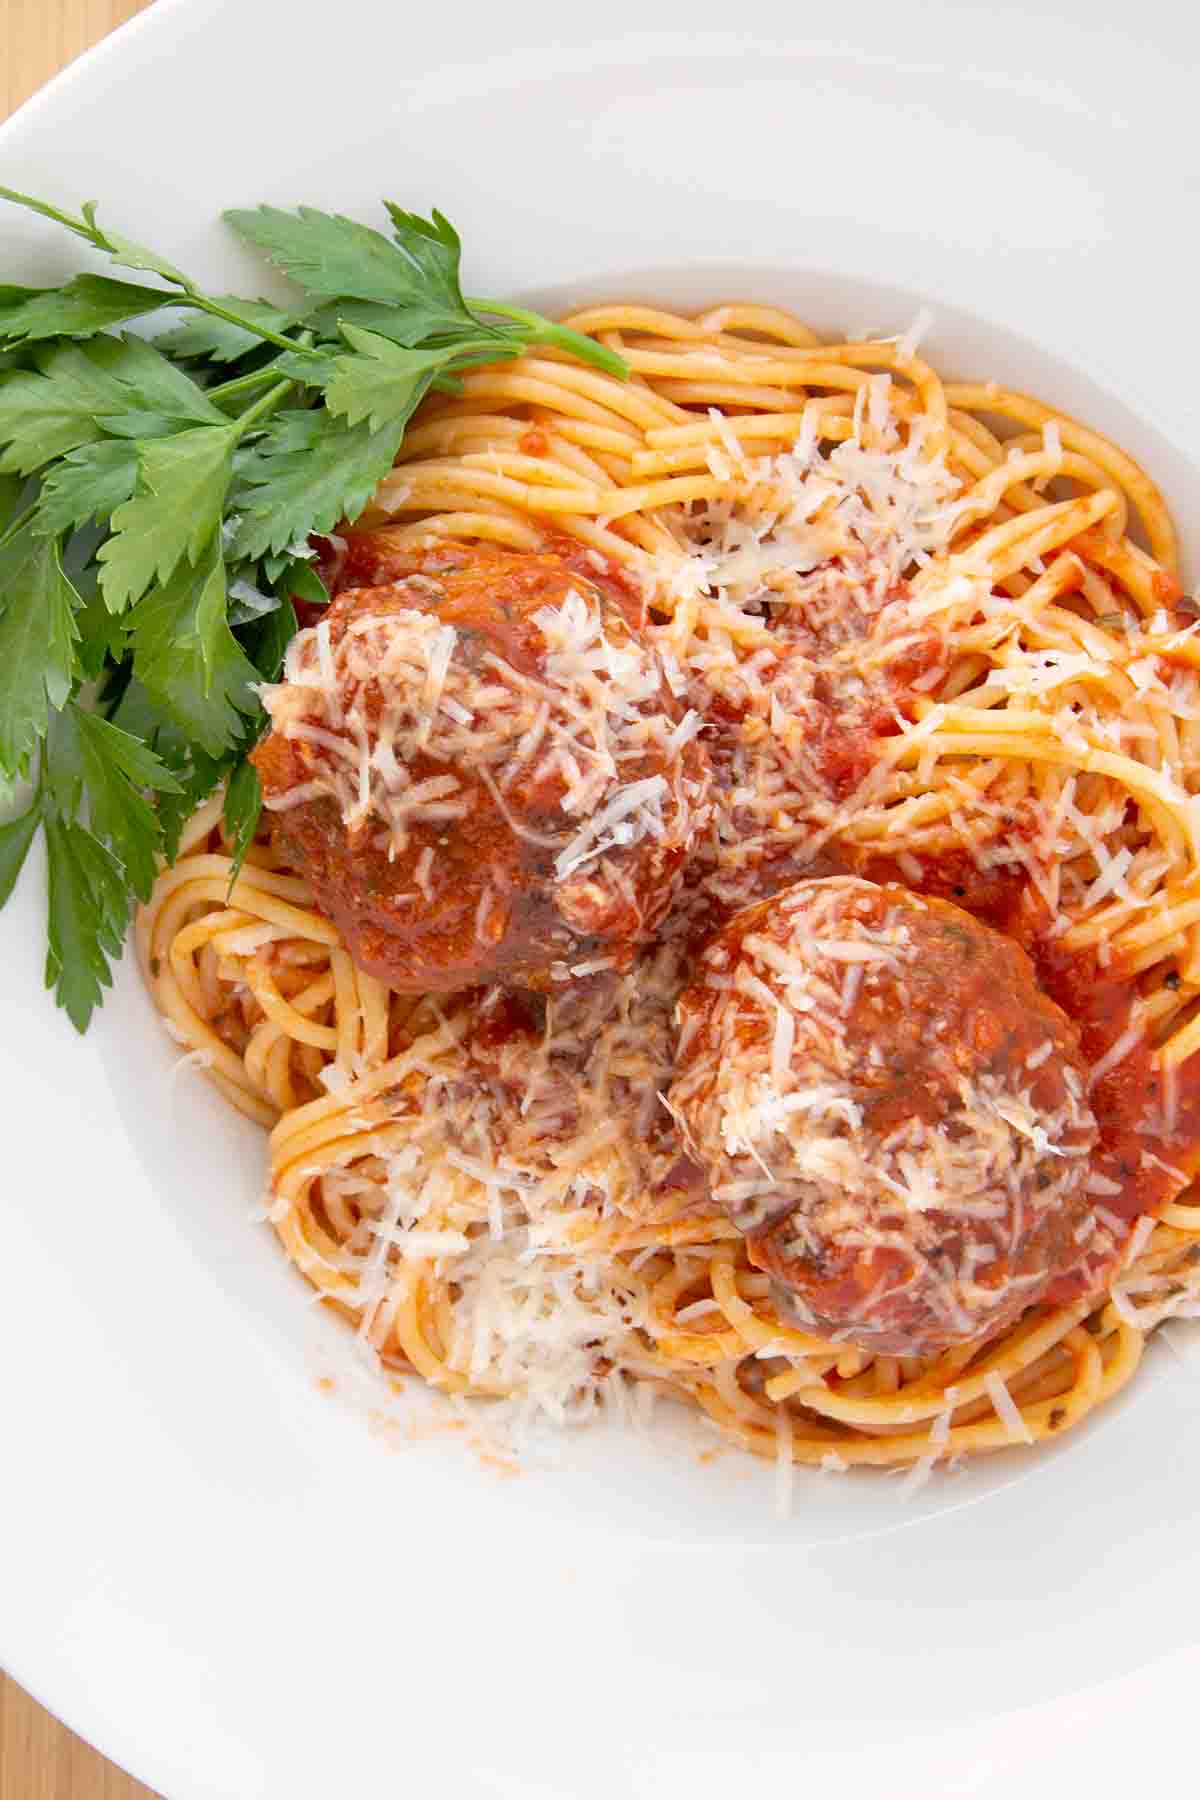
{"x":18,"y":524}
{"x":48,"y":212}
{"x":132,"y":257}
{"x":203,"y":303}
{"x":269,"y":401}
{"x":537,"y":330}
{"x":244,"y":384}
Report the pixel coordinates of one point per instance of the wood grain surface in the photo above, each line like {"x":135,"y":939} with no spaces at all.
{"x":39,"y":1758}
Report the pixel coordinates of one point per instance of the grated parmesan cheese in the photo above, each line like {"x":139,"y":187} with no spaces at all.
{"x":1006,"y":1408}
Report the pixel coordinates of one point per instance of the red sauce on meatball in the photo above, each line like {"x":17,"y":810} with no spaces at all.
{"x":893,"y":1111}
{"x":1149,"y":1122}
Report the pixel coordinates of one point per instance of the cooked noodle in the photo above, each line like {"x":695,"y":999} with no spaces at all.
{"x":1006,"y":580}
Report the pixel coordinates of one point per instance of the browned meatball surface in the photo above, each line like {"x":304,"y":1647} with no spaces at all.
{"x":892,"y":1110}
{"x":482,"y":772}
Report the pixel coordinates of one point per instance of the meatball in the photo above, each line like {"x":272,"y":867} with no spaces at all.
{"x":482,"y":773}
{"x":891,"y":1109}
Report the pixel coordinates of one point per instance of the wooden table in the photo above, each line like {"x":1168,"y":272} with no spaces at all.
{"x":39,"y":1758}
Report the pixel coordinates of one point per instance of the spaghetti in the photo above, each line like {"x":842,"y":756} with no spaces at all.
{"x":936,"y":635}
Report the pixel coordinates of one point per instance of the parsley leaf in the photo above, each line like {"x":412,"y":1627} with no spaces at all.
{"x":37,"y":644}
{"x":435,"y":250}
{"x":116,"y":768}
{"x":153,"y":383}
{"x":337,"y":258}
{"x":88,"y":915}
{"x":101,"y":633}
{"x":196,"y":773}
{"x":84,"y":306}
{"x":274,"y":633}
{"x":248,"y":602}
{"x":219,"y":340}
{"x":11,"y":488}
{"x":408,"y":326}
{"x":188,"y":660}
{"x":432,"y":245}
{"x":122,"y":250}
{"x":297,"y":578}
{"x":55,"y":408}
{"x":73,"y":392}
{"x":131,"y":255}
{"x":384,"y":382}
{"x":175,"y":510}
{"x":139,"y":425}
{"x":243,"y":805}
{"x":199,"y":776}
{"x":379,"y":379}
{"x":60,"y":780}
{"x":15,"y":839}
{"x":305,"y":473}
{"x":88,"y":483}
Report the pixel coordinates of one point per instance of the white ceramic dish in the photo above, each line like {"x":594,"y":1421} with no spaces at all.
{"x":226,"y":1577}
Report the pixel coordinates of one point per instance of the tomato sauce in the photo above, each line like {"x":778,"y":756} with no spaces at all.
{"x":371,"y":559}
{"x":1130,"y":1101}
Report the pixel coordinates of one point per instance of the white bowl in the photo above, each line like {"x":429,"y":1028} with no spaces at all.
{"x":242,"y":1585}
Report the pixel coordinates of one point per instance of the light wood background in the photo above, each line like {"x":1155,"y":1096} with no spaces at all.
{"x":39,"y":1758}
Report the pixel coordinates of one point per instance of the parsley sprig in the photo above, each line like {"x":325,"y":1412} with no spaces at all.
{"x":157,"y":499}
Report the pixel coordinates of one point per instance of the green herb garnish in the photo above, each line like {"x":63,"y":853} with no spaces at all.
{"x":156,"y":501}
